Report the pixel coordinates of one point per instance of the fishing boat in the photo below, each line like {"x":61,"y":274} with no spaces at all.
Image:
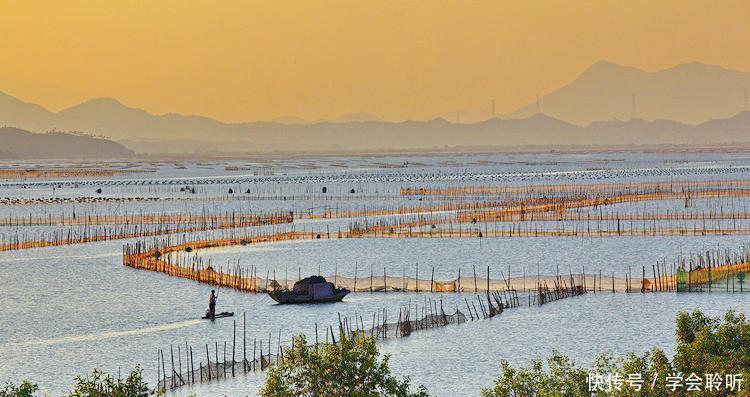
{"x":313,"y":289}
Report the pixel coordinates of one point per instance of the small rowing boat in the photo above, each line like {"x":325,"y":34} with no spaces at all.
{"x":218,"y":315}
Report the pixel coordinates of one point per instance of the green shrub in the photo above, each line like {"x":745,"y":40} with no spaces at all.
{"x":99,"y":384}
{"x":704,"y":346}
{"x":349,"y":368}
{"x":25,"y":389}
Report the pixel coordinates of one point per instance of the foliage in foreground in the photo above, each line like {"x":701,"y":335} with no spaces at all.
{"x":707,"y":347}
{"x":97,"y":384}
{"x":25,"y":389}
{"x":704,"y":346}
{"x":348,"y":368}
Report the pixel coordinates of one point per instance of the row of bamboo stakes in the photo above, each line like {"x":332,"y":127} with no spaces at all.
{"x":582,"y":188}
{"x":87,"y":233}
{"x":520,"y":210}
{"x":581,"y":216}
{"x":708,"y":270}
{"x":206,"y":218}
{"x":411,"y":318}
{"x":448,"y":229}
{"x":597,"y":201}
{"x":39,"y":173}
{"x":550,"y":197}
{"x":56,"y":200}
{"x":432,"y":315}
{"x":691,"y":274}
{"x":558,"y":211}
{"x":178,"y":258}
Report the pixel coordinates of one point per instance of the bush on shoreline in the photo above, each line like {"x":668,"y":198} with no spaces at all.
{"x":708,"y":350}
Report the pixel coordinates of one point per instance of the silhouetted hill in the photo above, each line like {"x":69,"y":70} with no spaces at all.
{"x":733,"y":129}
{"x":689,"y":93}
{"x":538,"y":130}
{"x":177,"y":133}
{"x":23,"y":114}
{"x":22,"y":144}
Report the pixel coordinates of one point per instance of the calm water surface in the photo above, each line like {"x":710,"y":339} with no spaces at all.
{"x":67,"y":310}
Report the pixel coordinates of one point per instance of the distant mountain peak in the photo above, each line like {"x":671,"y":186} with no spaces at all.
{"x":692,"y":93}
{"x":606,"y":69}
{"x":696,"y":65}
{"x":103,"y":102}
{"x":438,"y":120}
{"x":357,"y":117}
{"x":8,"y":99}
{"x":101,"y":108}
{"x":612,"y":67}
{"x":542,"y":116}
{"x":290,"y":120}
{"x":605,"y":64}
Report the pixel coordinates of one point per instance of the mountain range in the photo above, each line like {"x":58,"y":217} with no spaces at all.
{"x":607,"y":105}
{"x":537,"y":130}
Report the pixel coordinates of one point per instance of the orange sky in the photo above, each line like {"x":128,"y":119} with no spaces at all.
{"x":249,"y":60}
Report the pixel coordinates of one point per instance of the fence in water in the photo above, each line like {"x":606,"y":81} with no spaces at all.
{"x":530,"y":216}
{"x":703,"y":272}
{"x":551,"y":190}
{"x":40,"y":173}
{"x":180,"y":258}
{"x":232,"y":359}
{"x":207,"y":219}
{"x":714,"y":271}
{"x":96,"y":228}
{"x":561,"y":290}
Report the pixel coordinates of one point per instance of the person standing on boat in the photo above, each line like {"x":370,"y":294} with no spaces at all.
{"x":212,"y":304}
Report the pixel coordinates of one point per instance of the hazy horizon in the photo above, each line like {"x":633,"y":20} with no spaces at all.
{"x":317,"y":61}
{"x":467,"y":116}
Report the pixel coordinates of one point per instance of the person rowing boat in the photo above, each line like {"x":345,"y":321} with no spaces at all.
{"x":212,"y":304}
{"x":211,"y":312}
